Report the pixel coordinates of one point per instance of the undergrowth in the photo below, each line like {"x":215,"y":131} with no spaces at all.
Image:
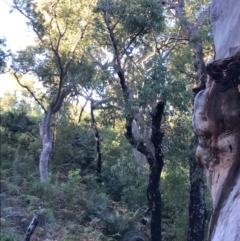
{"x":75,"y":207}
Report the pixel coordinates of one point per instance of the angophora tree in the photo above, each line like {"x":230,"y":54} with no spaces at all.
{"x":216,"y":122}
{"x":61,"y":28}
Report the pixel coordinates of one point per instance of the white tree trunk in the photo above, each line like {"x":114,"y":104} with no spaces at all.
{"x":225,"y":21}
{"x":45,"y":134}
{"x":216,"y":121}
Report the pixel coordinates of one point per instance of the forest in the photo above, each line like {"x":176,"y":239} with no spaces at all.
{"x":97,"y":142}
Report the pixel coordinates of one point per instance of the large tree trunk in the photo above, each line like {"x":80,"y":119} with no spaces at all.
{"x":216,"y":122}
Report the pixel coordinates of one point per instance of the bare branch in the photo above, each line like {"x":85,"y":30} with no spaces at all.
{"x":32,"y":226}
{"x":32,"y":94}
{"x":133,"y":39}
{"x":192,"y":30}
{"x":202,"y":16}
{"x":95,"y":103}
{"x":81,"y":112}
{"x":190,"y":75}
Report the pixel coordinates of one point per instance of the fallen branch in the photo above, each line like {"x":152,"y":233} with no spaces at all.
{"x":32,"y":226}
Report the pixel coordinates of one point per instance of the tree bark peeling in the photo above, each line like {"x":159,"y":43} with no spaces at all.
{"x":216,"y":123}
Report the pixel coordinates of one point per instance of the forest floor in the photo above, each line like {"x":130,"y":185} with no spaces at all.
{"x":73,"y":209}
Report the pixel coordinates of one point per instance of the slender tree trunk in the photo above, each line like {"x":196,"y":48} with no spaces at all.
{"x":32,"y":226}
{"x":45,"y":134}
{"x":98,"y":143}
{"x":197,"y":206}
{"x":155,"y":173}
{"x":155,"y":162}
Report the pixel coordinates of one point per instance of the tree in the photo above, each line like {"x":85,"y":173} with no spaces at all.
{"x":191,"y":21}
{"x":61,"y":28}
{"x":136,"y":74}
{"x":216,"y":122}
{"x":4,"y":54}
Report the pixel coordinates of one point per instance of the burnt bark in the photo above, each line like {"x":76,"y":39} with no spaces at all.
{"x":154,"y":158}
{"x":32,"y":226}
{"x":197,"y":206}
{"x":156,"y":162}
{"x":97,"y":139}
{"x":154,"y":194}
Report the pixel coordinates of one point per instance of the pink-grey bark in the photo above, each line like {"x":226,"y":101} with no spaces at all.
{"x":216,"y":122}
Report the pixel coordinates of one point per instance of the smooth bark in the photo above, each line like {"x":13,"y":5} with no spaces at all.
{"x":45,"y":134}
{"x":216,"y":122}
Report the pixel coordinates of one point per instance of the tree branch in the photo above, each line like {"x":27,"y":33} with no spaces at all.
{"x":192,"y":30}
{"x":32,"y":226}
{"x":81,"y":112}
{"x":202,"y":16}
{"x":32,"y":94}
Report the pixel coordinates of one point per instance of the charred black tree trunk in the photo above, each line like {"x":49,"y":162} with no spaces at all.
{"x":197,"y":206}
{"x":154,"y":195}
{"x":32,"y":226}
{"x":155,"y":162}
{"x":98,"y":143}
{"x":197,"y":209}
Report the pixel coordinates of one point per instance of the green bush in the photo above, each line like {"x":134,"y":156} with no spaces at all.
{"x":7,"y":237}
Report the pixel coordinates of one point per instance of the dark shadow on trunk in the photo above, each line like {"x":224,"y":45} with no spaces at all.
{"x":97,"y":140}
{"x":197,"y":206}
{"x":155,"y":162}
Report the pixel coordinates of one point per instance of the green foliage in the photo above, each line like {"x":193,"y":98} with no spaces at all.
{"x":46,"y":217}
{"x":74,"y":144}
{"x":7,"y":237}
{"x":74,"y":176}
{"x":135,"y":235}
{"x":75,"y":198}
{"x":138,"y":16}
{"x":4,"y":54}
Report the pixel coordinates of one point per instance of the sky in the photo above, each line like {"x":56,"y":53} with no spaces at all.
{"x":13,"y":27}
